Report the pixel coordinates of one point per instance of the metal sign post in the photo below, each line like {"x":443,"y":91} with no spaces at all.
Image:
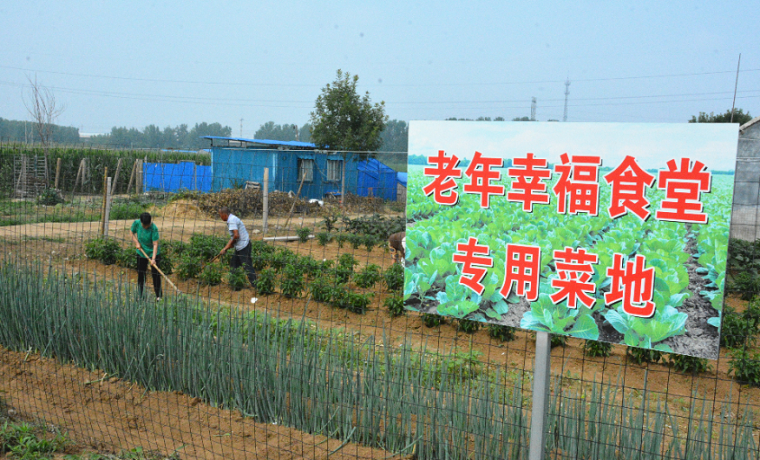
{"x":541,"y":380}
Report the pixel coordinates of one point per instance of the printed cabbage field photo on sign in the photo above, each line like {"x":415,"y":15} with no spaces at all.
{"x":603,"y":231}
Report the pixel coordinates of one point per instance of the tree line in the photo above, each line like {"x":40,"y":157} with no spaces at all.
{"x":181,"y":137}
{"x":394,"y":136}
{"x":26,"y":131}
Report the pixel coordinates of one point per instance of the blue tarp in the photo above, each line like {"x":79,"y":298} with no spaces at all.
{"x":376,"y":179}
{"x":169,"y":177}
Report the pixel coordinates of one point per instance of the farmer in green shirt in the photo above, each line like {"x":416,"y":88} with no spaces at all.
{"x":145,"y":237}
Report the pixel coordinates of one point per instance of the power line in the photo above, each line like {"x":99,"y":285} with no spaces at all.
{"x":159,"y":80}
{"x":266,"y":102}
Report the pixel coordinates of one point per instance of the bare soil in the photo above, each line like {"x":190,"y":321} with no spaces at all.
{"x":108,"y":415}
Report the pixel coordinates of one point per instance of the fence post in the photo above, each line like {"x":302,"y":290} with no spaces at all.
{"x":195,"y":177}
{"x":107,"y":213}
{"x":139,"y":177}
{"x":85,"y":173}
{"x":105,"y":201}
{"x":265,"y":199}
{"x":116,"y":177}
{"x":541,"y":381}
{"x":57,"y":172}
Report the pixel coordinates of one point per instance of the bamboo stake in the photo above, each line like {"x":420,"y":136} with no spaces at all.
{"x":116,"y":177}
{"x":159,"y":271}
{"x":292,"y":207}
{"x":132,"y":176}
{"x":76,"y":181}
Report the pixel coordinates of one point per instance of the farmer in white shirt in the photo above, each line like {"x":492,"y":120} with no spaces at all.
{"x":240,"y":240}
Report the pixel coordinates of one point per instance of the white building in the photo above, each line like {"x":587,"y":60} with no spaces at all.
{"x":745,"y":214}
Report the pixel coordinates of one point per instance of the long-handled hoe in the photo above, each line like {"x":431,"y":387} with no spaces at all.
{"x":209,"y":262}
{"x":159,"y":271}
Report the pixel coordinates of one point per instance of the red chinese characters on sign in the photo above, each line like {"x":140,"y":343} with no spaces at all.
{"x":633,"y":284}
{"x":577,"y":189}
{"x":523,"y":269}
{"x":444,"y":173}
{"x":575,"y":271}
{"x":628,"y":183}
{"x":579,"y":180}
{"x":481,"y":175}
{"x":472,"y":268}
{"x":529,"y":181}
{"x":683,"y":187}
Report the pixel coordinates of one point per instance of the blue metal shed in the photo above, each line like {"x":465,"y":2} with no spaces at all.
{"x":376,"y":179}
{"x":235,"y":160}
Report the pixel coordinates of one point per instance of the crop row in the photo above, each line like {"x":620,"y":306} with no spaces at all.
{"x":276,"y":268}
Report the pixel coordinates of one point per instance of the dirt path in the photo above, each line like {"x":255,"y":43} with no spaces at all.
{"x":111,"y":415}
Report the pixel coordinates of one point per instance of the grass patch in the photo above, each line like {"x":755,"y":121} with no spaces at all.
{"x":25,"y":441}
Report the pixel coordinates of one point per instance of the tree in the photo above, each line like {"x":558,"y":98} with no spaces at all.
{"x":739,"y":117}
{"x":204,"y":129}
{"x":395,"y":136}
{"x":271,"y":131}
{"x":304,"y":133}
{"x":343,"y":120}
{"x":44,"y":109}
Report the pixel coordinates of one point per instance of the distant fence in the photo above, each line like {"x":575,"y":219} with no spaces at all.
{"x":168,"y":177}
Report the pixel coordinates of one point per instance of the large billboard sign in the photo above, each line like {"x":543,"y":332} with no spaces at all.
{"x":603,"y":231}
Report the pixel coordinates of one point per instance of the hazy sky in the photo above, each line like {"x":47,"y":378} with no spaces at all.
{"x":138,"y":63}
{"x":651,"y":144}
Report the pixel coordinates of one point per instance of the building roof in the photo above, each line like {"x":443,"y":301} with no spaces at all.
{"x":746,"y":125}
{"x":262,"y":142}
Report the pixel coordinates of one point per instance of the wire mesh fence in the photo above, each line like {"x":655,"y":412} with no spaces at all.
{"x":313,"y":356}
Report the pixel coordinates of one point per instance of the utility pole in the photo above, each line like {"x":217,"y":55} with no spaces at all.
{"x":567,"y":93}
{"x":241,"y":127}
{"x":533,"y":109}
{"x":736,"y":86}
